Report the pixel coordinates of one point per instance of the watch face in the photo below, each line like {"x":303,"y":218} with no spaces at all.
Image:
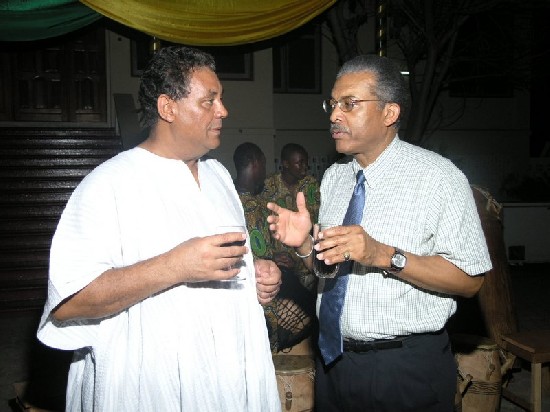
{"x":399,"y":260}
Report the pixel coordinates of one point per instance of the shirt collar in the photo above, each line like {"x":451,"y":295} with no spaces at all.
{"x":375,"y":172}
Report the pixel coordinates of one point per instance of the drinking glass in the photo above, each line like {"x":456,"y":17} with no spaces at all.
{"x":241,"y":263}
{"x":320,"y":268}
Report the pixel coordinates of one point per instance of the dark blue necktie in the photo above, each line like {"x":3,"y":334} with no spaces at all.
{"x":334,"y":291}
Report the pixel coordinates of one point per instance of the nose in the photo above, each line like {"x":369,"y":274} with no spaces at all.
{"x":336,"y":114}
{"x":222,"y":112}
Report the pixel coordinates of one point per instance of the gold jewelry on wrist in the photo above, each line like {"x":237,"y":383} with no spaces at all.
{"x":310,"y":252}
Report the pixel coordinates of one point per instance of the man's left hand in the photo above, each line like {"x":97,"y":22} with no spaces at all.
{"x":268,"y":280}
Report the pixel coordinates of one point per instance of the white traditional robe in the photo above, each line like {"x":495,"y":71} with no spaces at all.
{"x":194,"y":347}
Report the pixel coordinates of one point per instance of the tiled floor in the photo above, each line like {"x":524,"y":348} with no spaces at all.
{"x":23,"y":358}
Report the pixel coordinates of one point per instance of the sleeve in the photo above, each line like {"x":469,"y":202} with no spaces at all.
{"x":86,"y":244}
{"x":459,"y":236}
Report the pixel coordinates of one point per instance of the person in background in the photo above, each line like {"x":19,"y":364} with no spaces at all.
{"x":290,"y":316}
{"x":140,"y":286}
{"x":250,"y":167}
{"x":281,"y":188}
{"x":416,"y":243}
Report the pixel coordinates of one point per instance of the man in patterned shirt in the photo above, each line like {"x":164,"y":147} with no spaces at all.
{"x":290,"y":315}
{"x":419,"y":244}
{"x":250,"y":165}
{"x":281,"y":188}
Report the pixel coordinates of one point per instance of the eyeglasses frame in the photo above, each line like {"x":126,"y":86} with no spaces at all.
{"x":354,"y":102}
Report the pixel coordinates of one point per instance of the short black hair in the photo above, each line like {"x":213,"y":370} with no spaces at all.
{"x":246,"y":153}
{"x":169,"y":72}
{"x":290,"y":148}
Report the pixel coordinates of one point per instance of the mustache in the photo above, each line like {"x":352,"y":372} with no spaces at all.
{"x":338,"y":128}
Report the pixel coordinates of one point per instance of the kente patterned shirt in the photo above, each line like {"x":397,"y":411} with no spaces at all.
{"x":276,"y":191}
{"x":256,"y":212}
{"x":289,"y":316}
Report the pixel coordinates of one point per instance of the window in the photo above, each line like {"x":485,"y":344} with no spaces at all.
{"x":232,"y":62}
{"x":56,"y":80}
{"x":297,"y":62}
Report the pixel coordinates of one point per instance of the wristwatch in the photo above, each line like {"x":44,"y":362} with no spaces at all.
{"x":398,"y":261}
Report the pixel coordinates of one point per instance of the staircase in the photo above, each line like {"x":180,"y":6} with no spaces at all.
{"x":39,"y":169}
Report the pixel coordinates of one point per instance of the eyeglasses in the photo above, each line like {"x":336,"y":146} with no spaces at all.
{"x":346,"y":104}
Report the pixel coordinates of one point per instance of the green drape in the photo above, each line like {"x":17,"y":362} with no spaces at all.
{"x":25,"y":20}
{"x":211,"y":22}
{"x":193,"y":22}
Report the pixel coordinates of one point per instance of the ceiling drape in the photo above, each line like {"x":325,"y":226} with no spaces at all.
{"x":192,"y":22}
{"x":211,"y":22}
{"x":26,"y":20}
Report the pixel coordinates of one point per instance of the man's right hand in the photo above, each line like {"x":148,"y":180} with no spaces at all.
{"x":195,"y":260}
{"x":291,"y":228}
{"x":206,"y":258}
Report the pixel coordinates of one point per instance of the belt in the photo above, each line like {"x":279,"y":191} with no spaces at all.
{"x":351,"y":345}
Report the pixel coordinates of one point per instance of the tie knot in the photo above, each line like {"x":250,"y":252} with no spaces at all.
{"x":360,"y":178}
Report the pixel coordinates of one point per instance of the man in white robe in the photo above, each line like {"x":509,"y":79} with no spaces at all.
{"x":139,"y":282}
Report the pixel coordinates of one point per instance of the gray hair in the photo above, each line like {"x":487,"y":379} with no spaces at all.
{"x":390,"y":86}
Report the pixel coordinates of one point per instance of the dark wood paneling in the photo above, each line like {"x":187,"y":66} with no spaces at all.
{"x":39,"y":169}
{"x":55,"y":80}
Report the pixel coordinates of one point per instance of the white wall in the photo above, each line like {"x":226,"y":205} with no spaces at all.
{"x":250,"y":113}
{"x":119,"y":76}
{"x":488,"y":143}
{"x":487,"y":157}
{"x":526,"y":232}
{"x":299,"y":118}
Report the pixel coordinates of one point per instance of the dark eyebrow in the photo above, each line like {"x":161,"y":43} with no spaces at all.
{"x":216,"y":91}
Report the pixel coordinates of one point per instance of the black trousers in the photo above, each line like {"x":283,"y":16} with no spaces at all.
{"x":419,"y":376}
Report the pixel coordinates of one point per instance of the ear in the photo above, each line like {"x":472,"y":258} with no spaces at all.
{"x":166,"y":108}
{"x":391,"y":113}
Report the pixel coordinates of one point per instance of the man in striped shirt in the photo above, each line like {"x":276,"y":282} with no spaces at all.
{"x":419,"y":244}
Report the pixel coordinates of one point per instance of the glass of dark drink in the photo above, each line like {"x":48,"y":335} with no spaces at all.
{"x":232,"y":229}
{"x":320,"y":268}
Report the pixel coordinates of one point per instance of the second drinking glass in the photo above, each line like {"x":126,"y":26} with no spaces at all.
{"x":320,"y":268}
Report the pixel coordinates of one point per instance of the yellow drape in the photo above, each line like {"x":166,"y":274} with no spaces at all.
{"x":211,"y":22}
